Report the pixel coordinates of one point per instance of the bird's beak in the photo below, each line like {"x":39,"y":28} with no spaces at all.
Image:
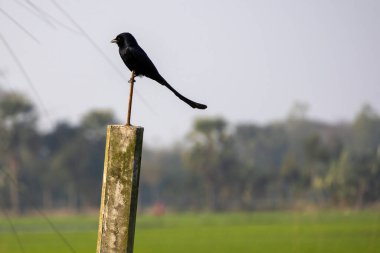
{"x":114,"y":41}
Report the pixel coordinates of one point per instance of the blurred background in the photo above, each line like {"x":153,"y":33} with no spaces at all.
{"x":289,"y":146}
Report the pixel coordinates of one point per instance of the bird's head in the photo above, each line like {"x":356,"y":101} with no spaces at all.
{"x":125,"y":40}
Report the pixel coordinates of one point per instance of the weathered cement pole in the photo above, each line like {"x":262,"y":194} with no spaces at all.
{"x":120,"y":189}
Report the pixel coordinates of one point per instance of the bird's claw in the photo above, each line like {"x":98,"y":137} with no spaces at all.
{"x":132,"y":80}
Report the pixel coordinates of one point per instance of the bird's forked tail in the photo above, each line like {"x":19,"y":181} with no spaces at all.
{"x":193,"y":104}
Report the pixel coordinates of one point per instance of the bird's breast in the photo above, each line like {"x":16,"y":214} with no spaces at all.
{"x":127,"y":58}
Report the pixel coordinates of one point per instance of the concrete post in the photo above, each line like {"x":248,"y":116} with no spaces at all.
{"x":120,"y":189}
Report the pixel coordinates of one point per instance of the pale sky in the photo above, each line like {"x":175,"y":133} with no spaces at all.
{"x":249,"y":61}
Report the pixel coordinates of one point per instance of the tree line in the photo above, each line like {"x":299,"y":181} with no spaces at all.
{"x":217,"y":166}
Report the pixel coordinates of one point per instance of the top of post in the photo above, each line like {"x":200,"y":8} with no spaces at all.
{"x":125,"y":126}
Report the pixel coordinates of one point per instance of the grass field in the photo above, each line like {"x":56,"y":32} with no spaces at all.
{"x":356,"y":232}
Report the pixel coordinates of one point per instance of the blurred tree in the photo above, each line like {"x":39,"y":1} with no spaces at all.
{"x":298,"y":111}
{"x":17,"y":126}
{"x":212,"y":158}
{"x":90,"y":169}
{"x":53,"y":141}
{"x":94,"y":123}
{"x":246,"y":167}
{"x":77,"y":155}
{"x":366,"y":131}
{"x":291,"y":175}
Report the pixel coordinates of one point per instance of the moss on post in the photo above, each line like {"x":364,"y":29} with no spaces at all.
{"x":120,"y":189}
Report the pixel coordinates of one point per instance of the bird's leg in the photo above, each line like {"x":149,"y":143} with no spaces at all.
{"x":131,"y":81}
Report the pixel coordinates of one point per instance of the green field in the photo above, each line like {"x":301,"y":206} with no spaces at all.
{"x":356,"y":232}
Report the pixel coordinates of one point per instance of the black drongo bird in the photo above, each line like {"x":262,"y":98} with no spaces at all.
{"x":138,"y":61}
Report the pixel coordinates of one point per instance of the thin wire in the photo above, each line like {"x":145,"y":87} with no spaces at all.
{"x":55,"y":229}
{"x":19,"y":25}
{"x":51,"y":224}
{"x":14,"y":231}
{"x":29,"y":81}
{"x":100,"y":51}
{"x":35,"y":12}
{"x":46,"y":16}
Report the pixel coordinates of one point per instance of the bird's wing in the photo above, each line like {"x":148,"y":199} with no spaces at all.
{"x":143,"y":65}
